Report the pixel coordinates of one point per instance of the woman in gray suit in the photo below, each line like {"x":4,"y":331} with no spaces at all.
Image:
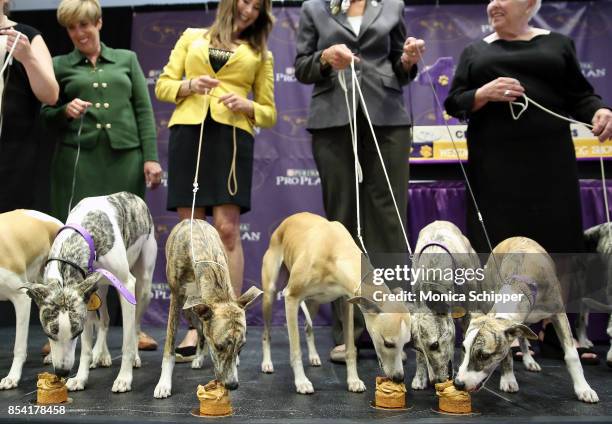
{"x":373,"y":34}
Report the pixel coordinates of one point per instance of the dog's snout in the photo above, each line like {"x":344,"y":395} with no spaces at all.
{"x":61,"y":372}
{"x":398,"y":377}
{"x":460,"y":385}
{"x":232,"y":385}
{"x":450,"y":369}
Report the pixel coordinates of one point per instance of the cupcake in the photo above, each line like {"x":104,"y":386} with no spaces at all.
{"x":214,"y":399}
{"x":389,"y":394}
{"x":51,"y":389}
{"x":452,"y":400}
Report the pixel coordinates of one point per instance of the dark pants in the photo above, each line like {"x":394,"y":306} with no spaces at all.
{"x":333,"y":153}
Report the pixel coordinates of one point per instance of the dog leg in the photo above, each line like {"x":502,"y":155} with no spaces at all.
{"x":22,"y":304}
{"x":164,"y":385}
{"x":101,"y":354}
{"x":419,"y":382}
{"x":507,"y":382}
{"x":269,"y":274}
{"x":581,"y":328}
{"x":143,"y":271}
{"x":313,"y":355}
{"x":80,"y":380}
{"x":123,"y":382}
{"x":572,"y":360}
{"x":198,"y":361}
{"x":352,"y":378}
{"x":528,"y":361}
{"x":302,"y":384}
{"x":609,"y":356}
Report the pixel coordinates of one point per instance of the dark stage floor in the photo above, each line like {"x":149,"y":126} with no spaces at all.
{"x":544,"y":397}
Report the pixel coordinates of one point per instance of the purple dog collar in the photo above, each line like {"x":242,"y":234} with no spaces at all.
{"x":93,"y":256}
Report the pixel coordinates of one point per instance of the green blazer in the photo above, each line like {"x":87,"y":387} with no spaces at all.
{"x":121,"y":108}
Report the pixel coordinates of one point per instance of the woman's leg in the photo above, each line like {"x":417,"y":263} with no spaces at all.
{"x":227,"y":223}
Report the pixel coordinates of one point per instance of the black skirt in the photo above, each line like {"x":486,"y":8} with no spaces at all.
{"x":215,"y":166}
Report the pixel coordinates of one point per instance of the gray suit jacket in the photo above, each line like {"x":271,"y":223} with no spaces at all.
{"x":380,"y":73}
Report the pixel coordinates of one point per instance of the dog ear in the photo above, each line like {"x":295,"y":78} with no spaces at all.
{"x":249,"y":297}
{"x":367,"y":305}
{"x":204,"y":311}
{"x":89,"y":285}
{"x":520,"y":330}
{"x":37,"y":292}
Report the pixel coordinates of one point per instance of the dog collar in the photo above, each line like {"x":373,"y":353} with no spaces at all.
{"x":93,"y":256}
{"x":441,"y":246}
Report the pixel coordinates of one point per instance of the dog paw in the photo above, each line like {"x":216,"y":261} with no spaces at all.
{"x":47,"y":360}
{"x":356,"y":386}
{"x":122,"y":385}
{"x":101,"y":360}
{"x":162,"y":390}
{"x":586,"y":394}
{"x":136,"y":363}
{"x":531,"y":365}
{"x":508,"y":384}
{"x":198,"y":362}
{"x":8,"y":382}
{"x":75,"y":384}
{"x":267,"y":367}
{"x":315,"y":361}
{"x":585,"y":342}
{"x":419,"y":383}
{"x":304,"y":386}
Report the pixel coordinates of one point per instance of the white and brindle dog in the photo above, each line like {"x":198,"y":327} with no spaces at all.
{"x":324,"y":263}
{"x":24,"y":246}
{"x":440,"y":247}
{"x":201,"y":286}
{"x":122,"y":231}
{"x":518,"y":266}
{"x":599,"y":240}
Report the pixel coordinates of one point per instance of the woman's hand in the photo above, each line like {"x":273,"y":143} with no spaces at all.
{"x":602,"y":124}
{"x":202,"y":84}
{"x":152,"y":173}
{"x":501,"y":89}
{"x":413,"y":51}
{"x":338,"y":56}
{"x":76,"y":108}
{"x":23,"y":49}
{"x":239,"y":104}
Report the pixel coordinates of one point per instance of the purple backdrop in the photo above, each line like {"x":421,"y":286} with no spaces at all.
{"x":285,"y":178}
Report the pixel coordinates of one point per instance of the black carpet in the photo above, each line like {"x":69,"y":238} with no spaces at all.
{"x":543,"y":397}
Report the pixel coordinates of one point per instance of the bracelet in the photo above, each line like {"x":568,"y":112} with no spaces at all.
{"x":190,"y":89}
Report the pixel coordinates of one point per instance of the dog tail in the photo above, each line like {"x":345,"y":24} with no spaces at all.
{"x":598,"y":306}
{"x":306,"y":314}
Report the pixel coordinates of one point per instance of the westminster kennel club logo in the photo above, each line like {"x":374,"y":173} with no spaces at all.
{"x":285,"y":29}
{"x":163,"y":32}
{"x":299,"y":177}
{"x":438,"y":26}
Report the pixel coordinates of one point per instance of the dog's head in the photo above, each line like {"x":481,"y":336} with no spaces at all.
{"x":63,"y":311}
{"x":486,"y":343}
{"x":390,"y":332}
{"x":225,"y":329}
{"x":434,"y":336}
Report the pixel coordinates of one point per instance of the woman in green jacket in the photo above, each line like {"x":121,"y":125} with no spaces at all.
{"x":104,"y":119}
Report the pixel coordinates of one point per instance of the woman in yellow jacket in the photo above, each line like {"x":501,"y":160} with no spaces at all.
{"x":209,"y":76}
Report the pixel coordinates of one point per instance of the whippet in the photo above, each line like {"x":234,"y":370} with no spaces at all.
{"x":24,"y":245}
{"x":440,"y":247}
{"x":200,"y":284}
{"x":324,"y":263}
{"x":598,"y":239}
{"x":521,"y":268}
{"x":107,"y":236}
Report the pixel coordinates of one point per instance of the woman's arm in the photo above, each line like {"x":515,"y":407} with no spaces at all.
{"x":143,"y":111}
{"x":36,"y":60}
{"x":461,"y":102}
{"x":264,"y":108}
{"x":170,"y":86}
{"x":308,"y":66}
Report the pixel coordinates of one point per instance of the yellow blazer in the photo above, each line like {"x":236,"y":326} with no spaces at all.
{"x":244,"y":72}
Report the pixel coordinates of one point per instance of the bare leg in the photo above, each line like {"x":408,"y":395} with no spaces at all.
{"x":227,"y":224}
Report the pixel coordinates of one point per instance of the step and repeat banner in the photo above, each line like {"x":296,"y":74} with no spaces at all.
{"x":285,"y":179}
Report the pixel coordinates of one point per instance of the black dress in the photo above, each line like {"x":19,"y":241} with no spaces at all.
{"x":217,"y":186}
{"x":25,"y":156}
{"x":524,"y":172}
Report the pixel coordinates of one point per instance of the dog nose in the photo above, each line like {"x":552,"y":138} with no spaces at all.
{"x":61,"y":372}
{"x":459,"y":385}
{"x":398,"y":377}
{"x":450,"y":369}
{"x":232,"y":385}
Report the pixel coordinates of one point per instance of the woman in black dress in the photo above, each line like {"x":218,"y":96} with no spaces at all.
{"x":524,"y":172}
{"x":26,"y":83}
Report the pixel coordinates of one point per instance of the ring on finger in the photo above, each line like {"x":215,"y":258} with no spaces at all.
{"x":507,"y":93}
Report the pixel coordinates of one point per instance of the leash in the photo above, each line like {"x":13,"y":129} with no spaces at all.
{"x":523,"y":109}
{"x":76,"y":162}
{"x":8,"y":61}
{"x":355,"y":85}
